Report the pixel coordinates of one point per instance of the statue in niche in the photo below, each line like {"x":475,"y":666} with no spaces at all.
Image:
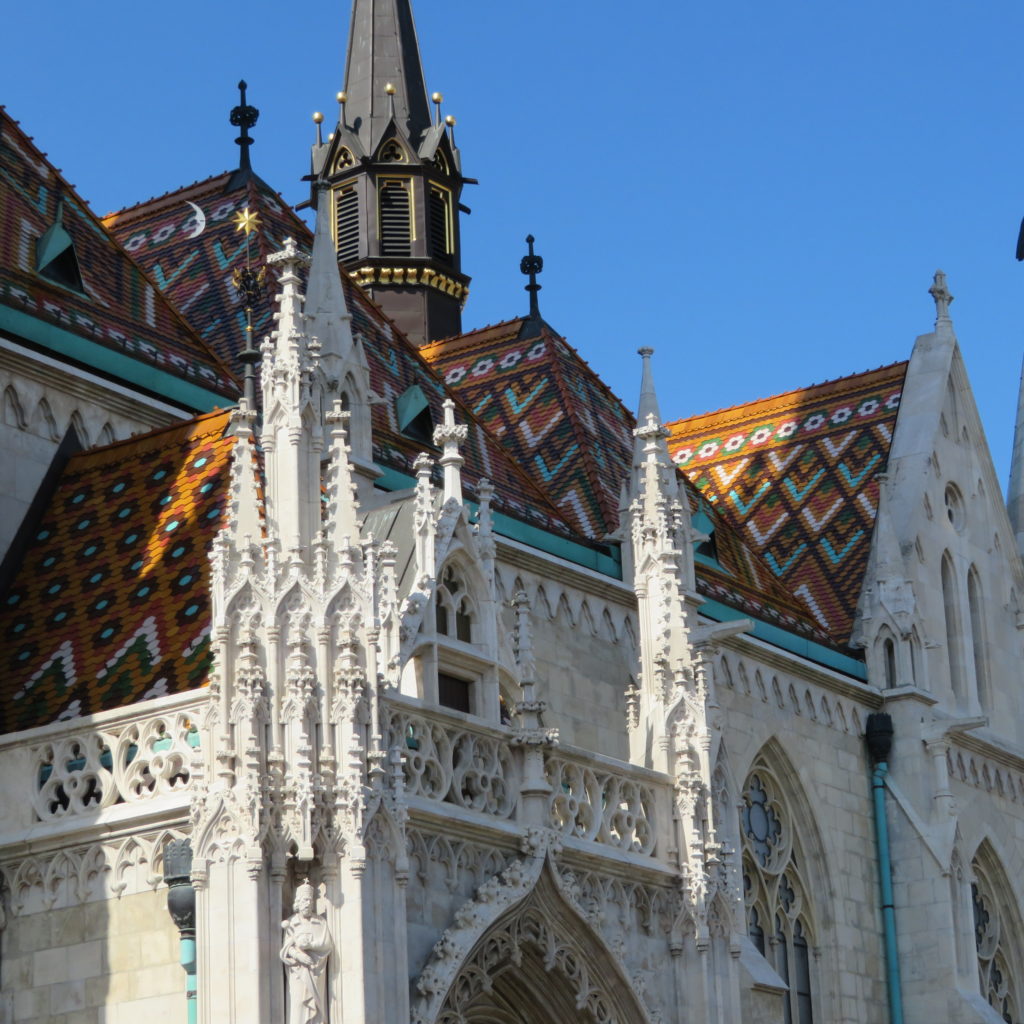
{"x":307,"y":944}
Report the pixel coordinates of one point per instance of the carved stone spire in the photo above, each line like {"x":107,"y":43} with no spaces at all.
{"x":292,"y":427}
{"x":943,"y":299}
{"x":326,"y":310}
{"x":451,"y":435}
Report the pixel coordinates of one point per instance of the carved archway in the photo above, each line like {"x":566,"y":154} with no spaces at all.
{"x":539,"y":962}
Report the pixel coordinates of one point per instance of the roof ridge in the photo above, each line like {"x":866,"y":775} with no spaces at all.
{"x":475,"y":330}
{"x":609,"y":512}
{"x":672,"y":424}
{"x":134,"y":210}
{"x":149,"y":435}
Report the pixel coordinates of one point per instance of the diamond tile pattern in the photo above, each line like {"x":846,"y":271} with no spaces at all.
{"x":796,"y":475}
{"x":111,"y":603}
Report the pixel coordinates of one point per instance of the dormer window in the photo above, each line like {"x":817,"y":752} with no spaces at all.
{"x":56,"y":259}
{"x":392,"y":153}
{"x":414,"y":418}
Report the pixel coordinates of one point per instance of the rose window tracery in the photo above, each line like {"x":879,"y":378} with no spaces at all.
{"x":775,"y":893}
{"x":995,"y":976}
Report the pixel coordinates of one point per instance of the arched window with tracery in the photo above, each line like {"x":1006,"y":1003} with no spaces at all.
{"x":776,"y":894}
{"x":998,"y":967}
{"x":455,"y":613}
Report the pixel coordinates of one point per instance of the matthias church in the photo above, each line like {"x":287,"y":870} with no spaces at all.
{"x":361,"y":666}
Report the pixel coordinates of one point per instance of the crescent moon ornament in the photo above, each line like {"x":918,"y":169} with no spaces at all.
{"x":200,"y":221}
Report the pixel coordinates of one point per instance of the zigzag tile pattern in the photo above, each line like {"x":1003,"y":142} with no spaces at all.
{"x":796,"y":475}
{"x":192,"y":260}
{"x":196,"y":273}
{"x":560,"y":421}
{"x":121,"y":308}
{"x":550,"y":411}
{"x":111,"y":602}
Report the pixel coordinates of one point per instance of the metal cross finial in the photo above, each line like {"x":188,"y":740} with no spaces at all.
{"x":532,"y":265}
{"x":940,"y":293}
{"x":243,"y":116}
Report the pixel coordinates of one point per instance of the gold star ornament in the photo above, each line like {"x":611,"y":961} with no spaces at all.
{"x":246,"y":221}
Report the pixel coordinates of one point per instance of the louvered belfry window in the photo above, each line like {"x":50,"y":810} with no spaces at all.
{"x":395,"y":218}
{"x":346,"y":222}
{"x":440,"y":224}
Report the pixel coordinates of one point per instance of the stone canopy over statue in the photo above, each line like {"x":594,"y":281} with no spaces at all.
{"x":307,"y":945}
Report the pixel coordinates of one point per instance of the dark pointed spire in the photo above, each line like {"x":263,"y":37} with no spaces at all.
{"x":243,"y":117}
{"x":382,"y":51}
{"x":531,"y":265}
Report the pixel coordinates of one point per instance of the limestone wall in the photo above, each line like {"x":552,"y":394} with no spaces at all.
{"x":107,"y":962}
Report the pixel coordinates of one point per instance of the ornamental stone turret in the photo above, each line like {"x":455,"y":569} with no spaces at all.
{"x":394,"y":177}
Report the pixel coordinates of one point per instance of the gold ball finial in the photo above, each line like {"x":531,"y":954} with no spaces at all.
{"x":318,"y":118}
{"x":389,"y":89}
{"x":437,"y":97}
{"x":342,"y":97}
{"x":450,"y":121}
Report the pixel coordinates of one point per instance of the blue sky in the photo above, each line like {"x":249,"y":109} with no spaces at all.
{"x":760,"y":191}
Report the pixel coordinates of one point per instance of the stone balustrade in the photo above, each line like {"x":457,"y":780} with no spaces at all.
{"x":450,"y":759}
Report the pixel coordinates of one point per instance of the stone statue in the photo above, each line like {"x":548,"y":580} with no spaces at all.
{"x":307,"y":944}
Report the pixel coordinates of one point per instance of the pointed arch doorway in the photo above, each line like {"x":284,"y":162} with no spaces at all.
{"x":540,"y":963}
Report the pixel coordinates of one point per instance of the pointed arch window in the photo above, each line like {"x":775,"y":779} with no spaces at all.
{"x":954,"y":634}
{"x":395,"y":217}
{"x":997,"y":967}
{"x":346,"y":222}
{"x":455,"y":613}
{"x":978,"y":645}
{"x":776,"y":895}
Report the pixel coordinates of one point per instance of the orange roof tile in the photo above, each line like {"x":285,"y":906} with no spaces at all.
{"x":110,"y":604}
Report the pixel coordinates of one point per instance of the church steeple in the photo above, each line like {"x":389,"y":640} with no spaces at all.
{"x":382,"y":51}
{"x":394,"y":177}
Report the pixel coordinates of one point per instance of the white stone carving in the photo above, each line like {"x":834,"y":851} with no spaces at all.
{"x":86,"y":771}
{"x":453,"y":763}
{"x":304,"y":952}
{"x":600,"y":806}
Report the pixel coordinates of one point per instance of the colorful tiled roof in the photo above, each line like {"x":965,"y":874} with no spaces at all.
{"x":534,"y":392}
{"x":119,"y":323}
{"x":558,"y":419}
{"x":111,"y":602}
{"x":196,"y":273}
{"x":396,"y":365}
{"x":193,"y":263}
{"x":796,"y":475}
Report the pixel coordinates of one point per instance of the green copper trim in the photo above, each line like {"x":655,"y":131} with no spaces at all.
{"x":108,"y":361}
{"x":789,"y":641}
{"x":607,"y":563}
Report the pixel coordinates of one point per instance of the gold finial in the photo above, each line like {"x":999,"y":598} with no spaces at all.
{"x":318,"y":118}
{"x":450,"y":121}
{"x":247,"y":221}
{"x":437,"y":97}
{"x":342,"y":97}
{"x":389,"y":89}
